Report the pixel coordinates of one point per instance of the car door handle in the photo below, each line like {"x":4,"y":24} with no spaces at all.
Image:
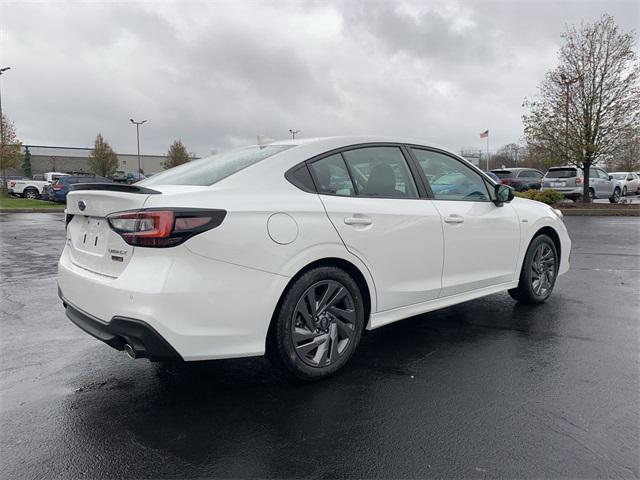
{"x":453,"y":219}
{"x":358,"y":221}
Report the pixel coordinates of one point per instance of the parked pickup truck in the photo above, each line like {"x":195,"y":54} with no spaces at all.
{"x":32,"y":189}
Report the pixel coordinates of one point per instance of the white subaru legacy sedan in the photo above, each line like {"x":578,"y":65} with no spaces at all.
{"x":292,"y":249}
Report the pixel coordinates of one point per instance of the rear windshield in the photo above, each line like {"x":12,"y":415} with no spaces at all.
{"x":503,"y":173}
{"x":561,"y":173}
{"x":209,"y":170}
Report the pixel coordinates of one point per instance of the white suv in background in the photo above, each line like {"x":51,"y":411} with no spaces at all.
{"x":630,"y":182}
{"x":569,"y":180}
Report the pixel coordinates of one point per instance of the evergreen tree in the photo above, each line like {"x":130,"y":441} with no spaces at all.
{"x":103,"y":160}
{"x":177,"y":155}
{"x":26,"y":162}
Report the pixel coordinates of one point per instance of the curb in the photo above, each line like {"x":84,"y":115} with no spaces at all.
{"x":577,"y":212}
{"x":31,"y":210}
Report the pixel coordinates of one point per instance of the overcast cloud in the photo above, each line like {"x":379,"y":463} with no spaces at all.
{"x":216,"y":74}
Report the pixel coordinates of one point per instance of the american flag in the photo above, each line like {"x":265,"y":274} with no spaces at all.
{"x":484,"y":134}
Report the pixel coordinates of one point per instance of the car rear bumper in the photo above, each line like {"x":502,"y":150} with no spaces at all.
{"x":203,"y":309}
{"x":144,"y":341}
{"x":569,"y":192}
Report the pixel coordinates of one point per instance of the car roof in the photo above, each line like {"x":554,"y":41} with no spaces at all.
{"x":514,"y":169}
{"x":346,"y":140}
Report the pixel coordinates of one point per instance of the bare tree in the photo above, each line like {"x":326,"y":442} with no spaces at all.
{"x":9,"y":150}
{"x":628,"y":157}
{"x":510,"y":155}
{"x":590,"y":103}
{"x":103,"y":160}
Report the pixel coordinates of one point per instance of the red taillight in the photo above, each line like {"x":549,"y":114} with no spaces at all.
{"x":57,"y":186}
{"x":12,"y":184}
{"x":163,"y":228}
{"x":578,"y":181}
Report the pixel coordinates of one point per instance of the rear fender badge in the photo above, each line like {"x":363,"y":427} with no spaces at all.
{"x":117,"y":252}
{"x":82,"y":205}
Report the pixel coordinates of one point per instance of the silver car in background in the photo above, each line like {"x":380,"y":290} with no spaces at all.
{"x":569,"y":180}
{"x":629,"y":181}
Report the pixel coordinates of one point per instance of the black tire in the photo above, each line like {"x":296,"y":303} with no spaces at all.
{"x":528,"y":290}
{"x":615,"y":198}
{"x":316,"y":333}
{"x":592,"y":194}
{"x":31,"y":194}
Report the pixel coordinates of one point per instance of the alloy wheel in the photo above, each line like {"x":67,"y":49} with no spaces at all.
{"x":543,"y":269}
{"x":323,"y":323}
{"x":616,"y":195}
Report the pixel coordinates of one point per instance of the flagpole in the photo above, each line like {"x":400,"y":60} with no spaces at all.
{"x":487,"y":150}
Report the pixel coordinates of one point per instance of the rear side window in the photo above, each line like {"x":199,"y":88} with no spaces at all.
{"x":503,"y":173}
{"x":210,"y":170}
{"x":380,"y":172}
{"x":529,"y":174}
{"x":332,"y":177}
{"x":561,"y":173}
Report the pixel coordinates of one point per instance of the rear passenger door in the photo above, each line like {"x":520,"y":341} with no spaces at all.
{"x":481,"y":239}
{"x":375,"y":204}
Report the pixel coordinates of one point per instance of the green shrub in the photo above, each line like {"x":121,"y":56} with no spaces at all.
{"x":550,"y":197}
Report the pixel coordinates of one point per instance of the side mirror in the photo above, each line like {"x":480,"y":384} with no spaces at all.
{"x":610,"y":177}
{"x":504,"y":194}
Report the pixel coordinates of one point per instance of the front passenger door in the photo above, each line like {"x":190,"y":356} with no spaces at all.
{"x":481,"y":240}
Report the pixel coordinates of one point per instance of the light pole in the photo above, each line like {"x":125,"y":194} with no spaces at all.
{"x":293,"y":133}
{"x":137,"y":124}
{"x":4,"y":176}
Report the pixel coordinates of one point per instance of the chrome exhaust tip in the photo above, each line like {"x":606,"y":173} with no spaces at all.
{"x":128,"y":349}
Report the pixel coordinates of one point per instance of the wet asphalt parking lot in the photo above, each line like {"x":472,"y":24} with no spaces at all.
{"x":486,"y":389}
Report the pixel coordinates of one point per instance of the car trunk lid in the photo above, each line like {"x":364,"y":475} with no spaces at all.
{"x":93,"y":245}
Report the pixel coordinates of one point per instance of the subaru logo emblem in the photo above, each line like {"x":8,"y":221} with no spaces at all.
{"x":82,"y":205}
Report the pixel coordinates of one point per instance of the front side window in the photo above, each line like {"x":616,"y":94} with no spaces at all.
{"x":380,"y":172}
{"x":209,"y":170}
{"x":529,"y":174}
{"x":332,"y":177}
{"x":451,"y":179}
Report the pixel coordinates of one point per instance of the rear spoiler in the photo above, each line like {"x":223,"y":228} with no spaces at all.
{"x":113,"y":187}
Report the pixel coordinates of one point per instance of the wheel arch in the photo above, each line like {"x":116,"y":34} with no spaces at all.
{"x":551,"y":233}
{"x":347,"y":266}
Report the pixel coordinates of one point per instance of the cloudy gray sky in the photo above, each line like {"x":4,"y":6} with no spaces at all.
{"x":217,"y":73}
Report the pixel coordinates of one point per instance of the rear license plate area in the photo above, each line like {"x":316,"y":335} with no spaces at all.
{"x":93,"y":235}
